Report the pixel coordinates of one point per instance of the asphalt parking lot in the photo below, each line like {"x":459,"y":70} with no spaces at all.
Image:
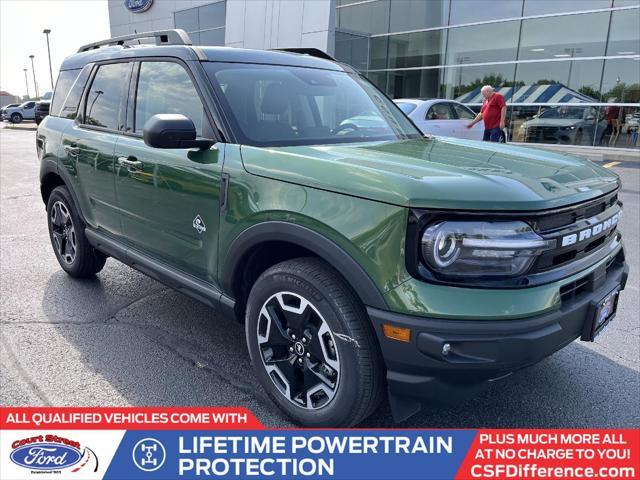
{"x":124,"y":339}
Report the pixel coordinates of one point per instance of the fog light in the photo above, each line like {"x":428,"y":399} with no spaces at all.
{"x":396,"y":333}
{"x":446,"y":348}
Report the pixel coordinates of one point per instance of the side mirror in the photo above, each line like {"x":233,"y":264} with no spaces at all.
{"x":168,"y":130}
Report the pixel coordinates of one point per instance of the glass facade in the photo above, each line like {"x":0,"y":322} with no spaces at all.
{"x":204,"y":24}
{"x":569,"y":69}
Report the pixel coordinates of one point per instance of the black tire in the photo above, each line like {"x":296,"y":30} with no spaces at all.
{"x":359,"y":384}
{"x":16,"y":118}
{"x":77,"y":257}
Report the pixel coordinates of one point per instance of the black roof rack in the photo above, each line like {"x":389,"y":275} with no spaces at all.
{"x":313,"y":52}
{"x":162,"y":37}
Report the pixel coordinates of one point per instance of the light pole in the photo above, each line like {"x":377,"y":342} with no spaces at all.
{"x":33,"y":69}
{"x":47,"y":31}
{"x":26,"y":82}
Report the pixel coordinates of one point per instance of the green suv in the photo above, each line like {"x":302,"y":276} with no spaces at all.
{"x":364,"y":259}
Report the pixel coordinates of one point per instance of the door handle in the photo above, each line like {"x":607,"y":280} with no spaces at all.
{"x":72,"y":150}
{"x":132,"y":163}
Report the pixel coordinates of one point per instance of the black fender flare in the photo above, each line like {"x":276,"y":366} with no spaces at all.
{"x":304,"y":237}
{"x":50,"y":166}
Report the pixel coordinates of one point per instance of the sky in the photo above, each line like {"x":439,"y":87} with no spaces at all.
{"x":72,"y":24}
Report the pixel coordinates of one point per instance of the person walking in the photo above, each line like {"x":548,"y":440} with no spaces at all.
{"x":494,"y":114}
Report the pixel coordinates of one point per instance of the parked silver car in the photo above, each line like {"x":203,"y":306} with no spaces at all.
{"x":24,"y":111}
{"x":445,"y":118}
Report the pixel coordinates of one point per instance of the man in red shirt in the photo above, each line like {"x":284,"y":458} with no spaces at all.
{"x":494,"y":114}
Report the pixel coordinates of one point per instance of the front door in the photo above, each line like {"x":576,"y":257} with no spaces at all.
{"x":169,"y":199}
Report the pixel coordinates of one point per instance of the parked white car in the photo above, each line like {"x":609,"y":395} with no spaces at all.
{"x":24,"y":111}
{"x":445,"y":118}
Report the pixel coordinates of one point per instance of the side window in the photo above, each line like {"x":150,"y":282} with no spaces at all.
{"x":29,"y":105}
{"x":103,"y":100}
{"x":72,"y":101}
{"x":63,"y":85}
{"x":463,"y":112}
{"x":165,"y":87}
{"x":440,"y":111}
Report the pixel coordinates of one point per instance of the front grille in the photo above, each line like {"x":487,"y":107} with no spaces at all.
{"x":591,"y":281}
{"x":559,"y":224}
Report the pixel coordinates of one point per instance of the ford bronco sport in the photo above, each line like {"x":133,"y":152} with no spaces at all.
{"x":363,"y":258}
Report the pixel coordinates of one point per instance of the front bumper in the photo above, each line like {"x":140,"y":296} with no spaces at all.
{"x":481,"y":351}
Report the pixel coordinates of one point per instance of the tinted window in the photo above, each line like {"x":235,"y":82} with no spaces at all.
{"x":212,"y":15}
{"x":281,"y":105}
{"x":568,"y":36}
{"x":165,"y":87}
{"x":440,"y":111}
{"x":468,"y":11}
{"x":414,"y":83}
{"x":540,"y":7}
{"x":369,"y":17}
{"x":103,"y":100}
{"x":407,"y":108}
{"x":469,"y":44}
{"x":70,"y":108}
{"x":63,"y":85}
{"x":623,"y":37}
{"x":186,"y":19}
{"x":463,"y":112}
{"x":421,"y":49}
{"x":413,"y":15}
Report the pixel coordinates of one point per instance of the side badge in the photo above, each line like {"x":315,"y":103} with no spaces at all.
{"x":199,"y":225}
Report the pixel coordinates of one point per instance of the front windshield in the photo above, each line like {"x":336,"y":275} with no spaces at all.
{"x":407,"y":108}
{"x":276,"y":105}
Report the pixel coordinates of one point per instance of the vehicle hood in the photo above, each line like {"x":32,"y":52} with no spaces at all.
{"x":437,"y":173}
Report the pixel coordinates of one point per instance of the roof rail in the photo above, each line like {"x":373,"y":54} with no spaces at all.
{"x":313,"y":52}
{"x":162,"y":37}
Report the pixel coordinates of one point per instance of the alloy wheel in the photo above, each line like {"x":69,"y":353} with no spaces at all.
{"x":63,"y":232}
{"x":298,"y":350}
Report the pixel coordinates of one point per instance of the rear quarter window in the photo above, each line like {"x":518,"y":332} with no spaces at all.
{"x":67,"y":98}
{"x":63,"y":85}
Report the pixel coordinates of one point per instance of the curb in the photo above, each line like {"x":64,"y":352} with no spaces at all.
{"x":26,"y":127}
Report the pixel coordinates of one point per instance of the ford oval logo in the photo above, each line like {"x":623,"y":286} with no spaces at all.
{"x":138,"y":6}
{"x":46,"y":456}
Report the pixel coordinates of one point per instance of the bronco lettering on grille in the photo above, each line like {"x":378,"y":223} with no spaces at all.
{"x":587,"y":233}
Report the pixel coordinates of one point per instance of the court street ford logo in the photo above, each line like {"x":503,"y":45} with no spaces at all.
{"x":49,"y":453}
{"x":138,"y":6}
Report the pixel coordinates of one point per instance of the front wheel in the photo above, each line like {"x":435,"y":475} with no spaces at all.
{"x":16,"y":118}
{"x":312,"y":345}
{"x":66,"y":231}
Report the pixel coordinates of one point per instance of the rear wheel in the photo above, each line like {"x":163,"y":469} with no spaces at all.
{"x":312,"y":345}
{"x":66,"y":231}
{"x":16,"y":118}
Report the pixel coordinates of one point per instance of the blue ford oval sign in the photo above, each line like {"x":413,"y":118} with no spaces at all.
{"x":46,"y":456}
{"x":138,"y":6}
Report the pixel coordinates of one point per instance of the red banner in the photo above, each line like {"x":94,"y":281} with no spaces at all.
{"x":128,"y":418}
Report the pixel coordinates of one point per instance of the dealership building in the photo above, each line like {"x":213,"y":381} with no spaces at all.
{"x":569,"y":69}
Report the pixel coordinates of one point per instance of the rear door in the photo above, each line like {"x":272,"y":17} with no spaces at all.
{"x":90,"y":143}
{"x":169,"y":198}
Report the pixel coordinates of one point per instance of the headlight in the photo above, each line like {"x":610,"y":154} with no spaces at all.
{"x":460,"y":248}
